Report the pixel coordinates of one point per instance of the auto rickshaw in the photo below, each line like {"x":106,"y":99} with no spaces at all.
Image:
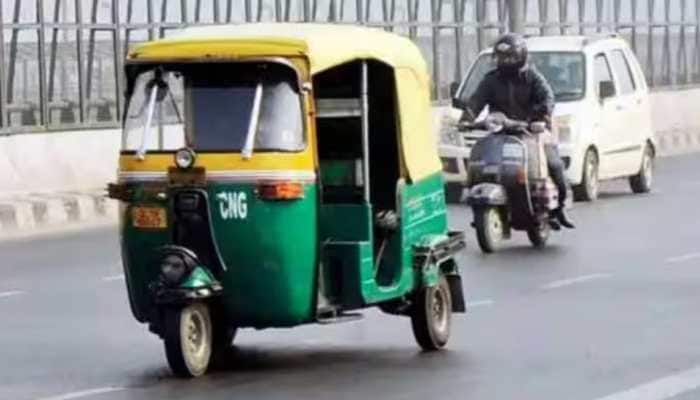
{"x":273,"y":175}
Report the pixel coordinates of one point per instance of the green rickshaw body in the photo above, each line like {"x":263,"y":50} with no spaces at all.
{"x":282,"y":236}
{"x":269,"y":249}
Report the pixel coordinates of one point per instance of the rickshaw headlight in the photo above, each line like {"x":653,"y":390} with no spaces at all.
{"x":184,"y":158}
{"x":173,"y":269}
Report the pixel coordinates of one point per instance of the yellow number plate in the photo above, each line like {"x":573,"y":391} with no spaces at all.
{"x":149,"y":217}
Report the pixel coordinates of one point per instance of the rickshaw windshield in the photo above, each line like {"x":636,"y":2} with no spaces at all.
{"x":222,"y":107}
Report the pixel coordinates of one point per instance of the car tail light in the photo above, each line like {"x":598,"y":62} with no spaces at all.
{"x":281,"y":191}
{"x":520,"y":176}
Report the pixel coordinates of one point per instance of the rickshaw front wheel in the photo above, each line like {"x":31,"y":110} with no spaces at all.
{"x":188,"y":339}
{"x":431,"y":316}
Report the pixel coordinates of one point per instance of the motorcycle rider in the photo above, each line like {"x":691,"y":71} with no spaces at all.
{"x":521,"y":92}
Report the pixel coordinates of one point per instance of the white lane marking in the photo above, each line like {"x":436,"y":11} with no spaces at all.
{"x":572,"y":281}
{"x":84,"y":393}
{"x":661,"y":389}
{"x":119,"y":277}
{"x":479,"y":303}
{"x":12,"y":293}
{"x":681,"y":258}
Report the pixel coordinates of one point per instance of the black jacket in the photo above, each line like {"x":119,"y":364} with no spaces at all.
{"x":525,"y":96}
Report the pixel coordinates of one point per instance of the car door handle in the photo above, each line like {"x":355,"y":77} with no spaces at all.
{"x":619,"y":108}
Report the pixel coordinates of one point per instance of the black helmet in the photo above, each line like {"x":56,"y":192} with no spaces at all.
{"x":510,"y":53}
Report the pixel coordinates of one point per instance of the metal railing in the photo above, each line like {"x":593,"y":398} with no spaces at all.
{"x":61,"y":60}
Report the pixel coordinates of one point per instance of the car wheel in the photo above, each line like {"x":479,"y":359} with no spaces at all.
{"x":641,"y":183}
{"x":588,"y":189}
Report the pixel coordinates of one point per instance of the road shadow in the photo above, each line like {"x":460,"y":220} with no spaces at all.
{"x":515,"y":250}
{"x":250,"y":359}
{"x":615,"y":194}
{"x":296,"y":372}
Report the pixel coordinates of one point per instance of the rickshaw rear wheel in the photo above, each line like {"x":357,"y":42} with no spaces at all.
{"x":431,"y":316}
{"x":188,"y":339}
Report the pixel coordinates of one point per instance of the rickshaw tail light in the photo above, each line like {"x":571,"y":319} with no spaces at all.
{"x":281,"y":191}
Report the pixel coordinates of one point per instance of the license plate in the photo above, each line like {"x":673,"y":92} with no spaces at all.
{"x":149,"y":217}
{"x":511,"y":150}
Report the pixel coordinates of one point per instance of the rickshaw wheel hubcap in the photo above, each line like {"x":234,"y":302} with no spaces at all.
{"x":194,"y":334}
{"x":439,"y":310}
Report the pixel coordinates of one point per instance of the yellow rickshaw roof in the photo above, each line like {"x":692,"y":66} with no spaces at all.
{"x":325,"y":45}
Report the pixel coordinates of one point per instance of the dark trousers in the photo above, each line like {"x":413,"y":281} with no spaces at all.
{"x":556,"y":170}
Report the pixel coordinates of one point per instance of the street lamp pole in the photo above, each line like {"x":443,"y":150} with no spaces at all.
{"x":516,"y":16}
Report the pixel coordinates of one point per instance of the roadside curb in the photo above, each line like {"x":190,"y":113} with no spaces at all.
{"x":677,"y":141}
{"x":33,"y":213}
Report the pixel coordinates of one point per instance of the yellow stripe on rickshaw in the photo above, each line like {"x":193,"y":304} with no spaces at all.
{"x":227,"y":176}
{"x":224,"y":162}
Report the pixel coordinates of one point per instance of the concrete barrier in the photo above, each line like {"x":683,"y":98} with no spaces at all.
{"x":676,"y":121}
{"x":56,"y":180}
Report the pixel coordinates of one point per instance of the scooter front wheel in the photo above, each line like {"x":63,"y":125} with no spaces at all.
{"x":538,"y":235}
{"x":489,"y":228}
{"x":188,"y":339}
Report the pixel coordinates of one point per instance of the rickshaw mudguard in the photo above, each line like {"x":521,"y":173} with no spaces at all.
{"x":199,"y":278}
{"x":199,"y":285}
{"x":434,"y":256}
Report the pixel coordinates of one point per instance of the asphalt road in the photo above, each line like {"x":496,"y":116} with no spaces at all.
{"x":610,"y":309}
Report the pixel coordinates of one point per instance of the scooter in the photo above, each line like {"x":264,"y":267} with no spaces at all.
{"x":508,"y":182}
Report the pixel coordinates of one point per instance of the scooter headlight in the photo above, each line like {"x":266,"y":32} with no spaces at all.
{"x":185,"y":158}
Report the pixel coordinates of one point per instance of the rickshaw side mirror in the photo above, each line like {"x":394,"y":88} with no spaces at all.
{"x":454,"y":87}
{"x":456,"y":101}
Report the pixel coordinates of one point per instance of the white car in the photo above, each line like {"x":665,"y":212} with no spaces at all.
{"x":602,"y":113}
